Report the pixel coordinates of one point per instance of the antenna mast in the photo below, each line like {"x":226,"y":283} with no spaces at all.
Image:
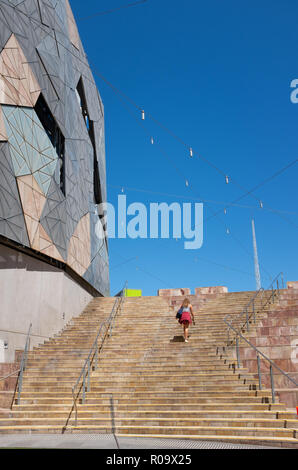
{"x":256,"y":259}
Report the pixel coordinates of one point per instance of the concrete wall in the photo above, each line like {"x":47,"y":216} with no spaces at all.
{"x":32,"y":291}
{"x":199,"y":291}
{"x":173,"y":292}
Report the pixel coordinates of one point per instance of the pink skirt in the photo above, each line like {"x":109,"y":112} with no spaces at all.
{"x":185,"y":317}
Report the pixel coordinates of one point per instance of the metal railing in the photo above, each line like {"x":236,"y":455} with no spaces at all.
{"x":22,"y":368}
{"x":258,"y":355}
{"x":82,"y":384}
{"x":10,"y":375}
{"x":257,"y":303}
{"x":263,"y":297}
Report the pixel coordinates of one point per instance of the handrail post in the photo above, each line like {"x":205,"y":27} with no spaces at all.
{"x":23,"y":366}
{"x":237,"y":352}
{"x":88,"y":372}
{"x":254,"y":311}
{"x":20,"y":387}
{"x":96,"y":355}
{"x":247,"y":321}
{"x":282,"y":280}
{"x":84,"y":389}
{"x":259,"y":373}
{"x":272,"y":383}
{"x":75,"y":405}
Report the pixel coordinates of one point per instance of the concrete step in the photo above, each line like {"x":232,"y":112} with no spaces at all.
{"x":125,"y":412}
{"x":259,"y":432}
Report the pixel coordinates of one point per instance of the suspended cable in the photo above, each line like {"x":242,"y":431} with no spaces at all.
{"x":267,"y":180}
{"x":209,"y":201}
{"x":144,"y":270}
{"x":106,"y":12}
{"x":124,"y":262}
{"x":170,"y":132}
{"x":180,"y":173}
{"x":224,"y":266}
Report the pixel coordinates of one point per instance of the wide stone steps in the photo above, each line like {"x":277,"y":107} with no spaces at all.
{"x":183,"y":431}
{"x":48,"y":403}
{"x":218,"y":410}
{"x":144,"y":376}
{"x":145,"y":389}
{"x":162,"y":397}
{"x":277,"y":427}
{"x":160,"y":386}
{"x":126,"y":369}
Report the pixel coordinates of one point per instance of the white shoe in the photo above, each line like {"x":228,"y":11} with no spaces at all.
{"x":186,"y":340}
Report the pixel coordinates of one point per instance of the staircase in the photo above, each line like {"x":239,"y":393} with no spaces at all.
{"x":150,"y":383}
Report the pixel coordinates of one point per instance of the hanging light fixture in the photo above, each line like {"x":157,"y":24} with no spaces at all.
{"x":143,"y":115}
{"x":186,"y":183}
{"x":191,"y":152}
{"x":228,"y":231}
{"x":225,"y":211}
{"x":227,"y":179}
{"x":152,"y":140}
{"x":261,"y":205}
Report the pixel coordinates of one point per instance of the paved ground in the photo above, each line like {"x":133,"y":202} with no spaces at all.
{"x":102,"y":441}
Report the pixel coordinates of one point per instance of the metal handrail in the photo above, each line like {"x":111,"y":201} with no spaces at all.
{"x":9,"y":375}
{"x":251,"y":304}
{"x":259,"y":353}
{"x":105,"y":329}
{"x":23,"y":366}
{"x":18,"y":370}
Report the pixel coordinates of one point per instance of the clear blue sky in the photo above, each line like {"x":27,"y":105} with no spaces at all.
{"x":218,"y":75}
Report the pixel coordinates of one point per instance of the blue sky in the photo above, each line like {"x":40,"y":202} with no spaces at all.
{"x":217,"y":74}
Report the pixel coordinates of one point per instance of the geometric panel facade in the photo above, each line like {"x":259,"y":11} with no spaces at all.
{"x":3,"y":133}
{"x":33,"y":201}
{"x":12,"y":221}
{"x":79,"y":253}
{"x":49,"y":151}
{"x":18,"y":85}
{"x":31,"y":149}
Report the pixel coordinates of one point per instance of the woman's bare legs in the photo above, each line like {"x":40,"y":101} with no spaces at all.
{"x":185,"y":326}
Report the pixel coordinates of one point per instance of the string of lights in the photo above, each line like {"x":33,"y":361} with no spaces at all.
{"x":188,"y":183}
{"x":192,"y":153}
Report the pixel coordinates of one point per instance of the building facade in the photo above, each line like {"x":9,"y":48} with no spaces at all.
{"x":53,"y":255}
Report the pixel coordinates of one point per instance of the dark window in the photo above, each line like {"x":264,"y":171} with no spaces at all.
{"x":83,"y":103}
{"x":54,"y":133}
{"x":90,"y":127}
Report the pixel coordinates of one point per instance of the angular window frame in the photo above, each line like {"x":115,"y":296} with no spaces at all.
{"x":55,"y":135}
{"x":80,"y":92}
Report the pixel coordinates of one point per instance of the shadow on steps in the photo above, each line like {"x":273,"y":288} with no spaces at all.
{"x":178,"y":339}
